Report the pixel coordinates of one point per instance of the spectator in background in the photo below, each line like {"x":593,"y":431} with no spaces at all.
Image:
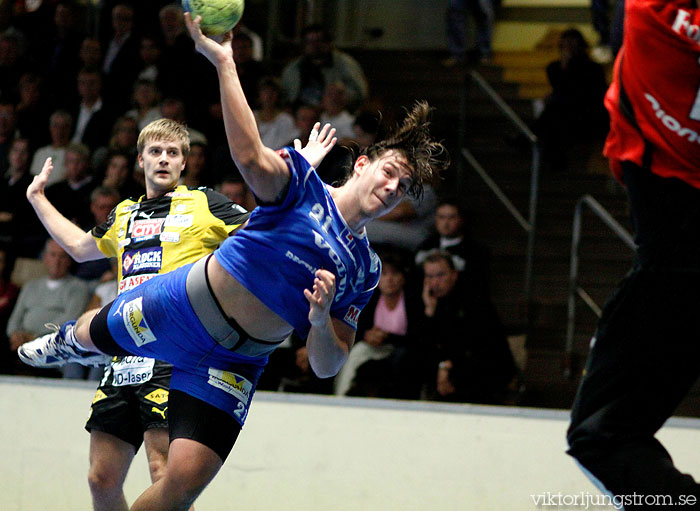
{"x":196,"y":171}
{"x":91,"y":54}
{"x":125,"y":132}
{"x":574,"y":110}
{"x":8,"y":132}
{"x":19,"y":227}
{"x":305,"y":117}
{"x":94,"y":118}
{"x":119,"y":176}
{"x":60,"y":129}
{"x":146,"y":102}
{"x":365,"y":129}
{"x":276,"y":127}
{"x":383,"y":362}
{"x":12,"y":66}
{"x":456,"y":21}
{"x":306,"y":77}
{"x":32,"y":110}
{"x":608,"y":35}
{"x":174,"y":108}
{"x":120,"y":64}
{"x":150,"y":52}
{"x":71,"y":196}
{"x":250,"y":71}
{"x":102,"y":201}
{"x":335,"y":165}
{"x":177,"y":52}
{"x":8,"y":24}
{"x":237,"y":191}
{"x":257,"y":46}
{"x":470,"y":258}
{"x":59,"y":52}
{"x":464,"y":347}
{"x":8,"y":297}
{"x":333,"y":110}
{"x":55,"y":298}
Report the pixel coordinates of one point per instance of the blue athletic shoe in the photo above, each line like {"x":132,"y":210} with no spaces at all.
{"x":53,"y":350}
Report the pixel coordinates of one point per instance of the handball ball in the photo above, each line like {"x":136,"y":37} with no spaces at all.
{"x":218,"y":16}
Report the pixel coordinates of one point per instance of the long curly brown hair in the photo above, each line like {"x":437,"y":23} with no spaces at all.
{"x":427,"y":157}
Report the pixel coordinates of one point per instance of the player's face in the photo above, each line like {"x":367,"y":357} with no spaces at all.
{"x":384,"y":182}
{"x":162,"y":162}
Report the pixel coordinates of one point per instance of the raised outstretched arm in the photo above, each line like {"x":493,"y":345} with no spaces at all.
{"x":79,"y":244}
{"x":262,"y":168}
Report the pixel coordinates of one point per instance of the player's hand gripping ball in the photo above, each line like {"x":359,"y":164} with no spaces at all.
{"x":218,"y":16}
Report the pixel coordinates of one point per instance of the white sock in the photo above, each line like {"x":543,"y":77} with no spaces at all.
{"x":72,"y":341}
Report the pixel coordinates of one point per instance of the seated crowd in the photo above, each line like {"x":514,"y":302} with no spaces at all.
{"x":77,"y":84}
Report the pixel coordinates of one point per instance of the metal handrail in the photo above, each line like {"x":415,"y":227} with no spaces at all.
{"x":574,"y":288}
{"x":529,"y":224}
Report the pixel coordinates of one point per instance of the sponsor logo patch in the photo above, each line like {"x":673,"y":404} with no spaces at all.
{"x":171,"y":237}
{"x":99,"y":396}
{"x":352,"y":316}
{"x":160,"y":412}
{"x":150,"y":227}
{"x":179,"y":220}
{"x":132,"y":371}
{"x":231,"y":383}
{"x":300,"y":261}
{"x":158,"y":396}
{"x":146,"y":259}
{"x":135,"y":323}
{"x":131,"y":282}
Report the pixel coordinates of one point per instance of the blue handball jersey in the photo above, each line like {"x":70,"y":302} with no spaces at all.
{"x":277,"y":254}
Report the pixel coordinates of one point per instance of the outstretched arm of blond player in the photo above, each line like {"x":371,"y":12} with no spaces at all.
{"x":262,"y":168}
{"x":329,"y":339}
{"x":79,"y":244}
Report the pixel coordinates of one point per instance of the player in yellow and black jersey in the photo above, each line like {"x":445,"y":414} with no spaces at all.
{"x":168,"y":227}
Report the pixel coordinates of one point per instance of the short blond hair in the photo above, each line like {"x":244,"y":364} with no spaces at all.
{"x":165,"y":129}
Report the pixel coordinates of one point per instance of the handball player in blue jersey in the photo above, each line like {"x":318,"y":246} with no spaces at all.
{"x":302,"y":263}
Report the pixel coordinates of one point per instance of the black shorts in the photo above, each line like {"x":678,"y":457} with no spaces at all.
{"x":127,"y":410}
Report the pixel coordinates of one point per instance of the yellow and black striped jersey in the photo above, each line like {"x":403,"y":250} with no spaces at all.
{"x":152,"y":236}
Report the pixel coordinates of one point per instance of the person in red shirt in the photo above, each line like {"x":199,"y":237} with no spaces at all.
{"x":645,"y":354}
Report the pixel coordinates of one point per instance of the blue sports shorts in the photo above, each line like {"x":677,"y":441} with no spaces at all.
{"x":156,"y":319}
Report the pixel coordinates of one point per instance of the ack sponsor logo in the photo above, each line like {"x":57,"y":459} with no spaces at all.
{"x":352,"y":316}
{"x":135,"y":323}
{"x":145,"y":259}
{"x":231,"y":383}
{"x":149,"y":227}
{"x":131,"y":282}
